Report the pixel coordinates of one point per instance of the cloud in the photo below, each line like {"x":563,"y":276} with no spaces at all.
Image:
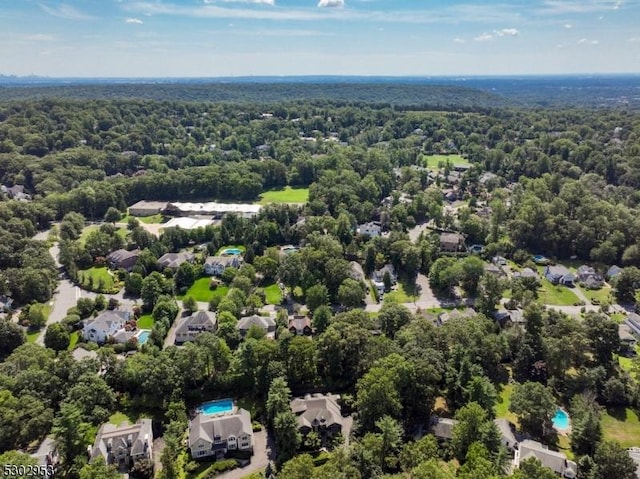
{"x":39,"y":37}
{"x":584,"y":41}
{"x":563,"y":7}
{"x":483,"y":38}
{"x":66,"y":11}
{"x":512,"y":32}
{"x":135,"y":21}
{"x":618,"y":4}
{"x":568,"y":26}
{"x":459,"y":40}
{"x":257,"y":2}
{"x":331,"y":3}
{"x":633,"y":40}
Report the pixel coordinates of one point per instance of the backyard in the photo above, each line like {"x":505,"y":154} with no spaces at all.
{"x":502,"y":405}
{"x":273,"y":294}
{"x":200,"y":291}
{"x":556,"y":295}
{"x":285,"y":195}
{"x":145,"y":321}
{"x":432,"y":161}
{"x":403,"y":293}
{"x":602,"y":295}
{"x":98,"y":279}
{"x":622,"y":425}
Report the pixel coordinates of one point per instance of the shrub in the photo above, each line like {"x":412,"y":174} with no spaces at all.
{"x":320,"y":459}
{"x":219,"y":467}
{"x":256,"y":426}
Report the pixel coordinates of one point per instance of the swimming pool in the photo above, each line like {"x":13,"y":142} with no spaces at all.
{"x":560,"y":419}
{"x":216,"y":407}
{"x":233,"y":251}
{"x":143,"y":336}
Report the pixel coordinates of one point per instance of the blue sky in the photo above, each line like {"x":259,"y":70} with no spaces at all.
{"x":196,"y":38}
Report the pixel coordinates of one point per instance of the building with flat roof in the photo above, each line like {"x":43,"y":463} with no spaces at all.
{"x":147,"y":208}
{"x":211,"y":209}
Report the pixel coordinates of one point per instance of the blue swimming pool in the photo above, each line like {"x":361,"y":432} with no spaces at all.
{"x":143,"y":336}
{"x":216,"y":407}
{"x":232,"y":251}
{"x":560,"y":419}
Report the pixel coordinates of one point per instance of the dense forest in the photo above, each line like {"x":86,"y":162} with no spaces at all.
{"x":561,"y":183}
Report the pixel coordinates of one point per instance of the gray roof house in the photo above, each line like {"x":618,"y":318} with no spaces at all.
{"x":147,"y":208}
{"x":633,"y":321}
{"x":451,"y":242}
{"x":356,"y":272}
{"x":442,"y":428}
{"x":588,"y":276}
{"x":556,"y":461}
{"x":123,"y":259}
{"x":266,"y":323}
{"x":511,"y":317}
{"x":300,"y":325}
{"x":614,"y":272}
{"x":124,"y":444}
{"x":215,"y":435}
{"x":526,"y":273}
{"x":191,"y":326}
{"x":625,"y":333}
{"x":174,"y":260}
{"x":507,"y":435}
{"x":105,"y":325}
{"x":319,"y":413}
{"x":558,"y":274}
{"x":371,"y":229}
{"x":215,"y":265}
{"x":447,"y":316}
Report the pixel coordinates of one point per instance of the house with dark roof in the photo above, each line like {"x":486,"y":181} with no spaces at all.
{"x":628,"y":340}
{"x":526,"y":273}
{"x":105,"y":325}
{"x":123,"y":259}
{"x":633,"y":321}
{"x":192,"y":326}
{"x":442,"y":428}
{"x":447,"y":316}
{"x":558,"y":274}
{"x":300,"y":325}
{"x":174,"y":260}
{"x":318,"y":413}
{"x":451,"y":242}
{"x":554,"y":460}
{"x":125,"y":444}
{"x":212,"y":436}
{"x":265,"y":323}
{"x":216,"y":265}
{"x":377,"y":277}
{"x":356,"y":272}
{"x":588,"y":277}
{"x":510,"y":317}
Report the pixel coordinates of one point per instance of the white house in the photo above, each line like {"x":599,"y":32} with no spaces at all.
{"x":197,"y":323}
{"x":215,"y":435}
{"x":216,"y":265}
{"x":104,"y":325}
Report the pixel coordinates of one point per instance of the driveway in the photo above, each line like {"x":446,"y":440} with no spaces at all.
{"x":262,"y":450}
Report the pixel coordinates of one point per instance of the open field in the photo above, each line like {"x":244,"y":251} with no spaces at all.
{"x":621,"y":425}
{"x":285,"y":195}
{"x":556,"y":295}
{"x":431,"y":161}
{"x":200,"y":291}
{"x":149,"y":220}
{"x":96,"y":279}
{"x":273,"y":294}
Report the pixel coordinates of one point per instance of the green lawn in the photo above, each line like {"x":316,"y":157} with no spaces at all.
{"x":431,"y":161}
{"x":86,"y":232}
{"x":502,"y":406}
{"x":286,"y":195}
{"x":556,"y":295}
{"x":201,"y":292}
{"x":621,"y":425}
{"x":145,"y":321}
{"x":239,"y":246}
{"x":149,"y":220}
{"x":618,"y":317}
{"x":402,"y":294}
{"x":601,"y":295}
{"x":73,"y":340}
{"x":119,"y":417}
{"x":273,"y":294}
{"x":122,"y":232}
{"x":97,"y":276}
{"x":33,"y":335}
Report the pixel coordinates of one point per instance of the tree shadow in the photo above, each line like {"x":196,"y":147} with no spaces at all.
{"x":617,"y":412}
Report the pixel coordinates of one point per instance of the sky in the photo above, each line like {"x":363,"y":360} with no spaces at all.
{"x":209,"y":38}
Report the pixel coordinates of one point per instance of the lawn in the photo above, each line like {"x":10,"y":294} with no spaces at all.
{"x":273,"y":294}
{"x":92,"y":278}
{"x":431,"y":161}
{"x":200,"y":291}
{"x":33,"y":335}
{"x":73,"y":340}
{"x":502,"y":406}
{"x":238,"y":246}
{"x":556,"y":295}
{"x":621,"y":425}
{"x":119,"y":417}
{"x":602,"y":295}
{"x":286,"y":195}
{"x":145,"y":321}
{"x":149,"y":220}
{"x":402,"y":294}
{"x":618,"y":317}
{"x":86,"y":232}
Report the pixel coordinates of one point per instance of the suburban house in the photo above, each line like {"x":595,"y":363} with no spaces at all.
{"x":493,"y":269}
{"x":507,"y":434}
{"x":614,"y":272}
{"x":633,"y":321}
{"x":266,"y":323}
{"x":378,"y":277}
{"x":105,"y":325}
{"x":511,"y":317}
{"x":526,"y":273}
{"x":442,"y":428}
{"x":451,"y":242}
{"x":558,"y":274}
{"x":486,"y":177}
{"x":319,"y":413}
{"x":215,"y":435}
{"x":447,"y":316}
{"x":199,"y":322}
{"x":174,"y":260}
{"x":356,"y":272}
{"x":125,"y":444}
{"x":216,"y":265}
{"x":627,"y":339}
{"x":300,"y":325}
{"x":499,"y":261}
{"x":5,"y":303}
{"x":16,"y":192}
{"x":588,"y":277}
{"x":147,"y":208}
{"x":371,"y":229}
{"x":556,"y":461}
{"x":123,"y":259}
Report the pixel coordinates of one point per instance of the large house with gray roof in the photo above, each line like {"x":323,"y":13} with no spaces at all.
{"x":318,"y":413}
{"x":213,"y":436}
{"x":554,"y":460}
{"x":125,"y":444}
{"x":105,"y":325}
{"x":194,"y":325}
{"x":265,"y":323}
{"x":174,"y":260}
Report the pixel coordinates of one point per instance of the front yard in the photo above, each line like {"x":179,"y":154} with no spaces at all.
{"x":98,"y":279}
{"x":401,"y":294}
{"x":200,"y":291}
{"x":602,"y":295}
{"x":556,"y":295}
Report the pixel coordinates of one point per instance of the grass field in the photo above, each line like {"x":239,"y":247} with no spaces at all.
{"x":97,"y":276}
{"x":201,"y":292}
{"x":273,"y":294}
{"x":431,"y":161}
{"x":621,"y":425}
{"x":285,"y":195}
{"x":402,"y":294}
{"x":239,"y":246}
{"x":556,"y":295}
{"x":601,"y":295}
{"x":502,"y":406}
{"x":73,"y":340}
{"x":145,"y":321}
{"x":149,"y":220}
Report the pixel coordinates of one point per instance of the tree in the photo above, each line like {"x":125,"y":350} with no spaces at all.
{"x":37,"y":318}
{"x":301,"y":363}
{"x":472,"y":269}
{"x":534,"y":405}
{"x":185,"y":276}
{"x":322,"y":318}
{"x":152,"y":288}
{"x":391,"y":435}
{"x":612,"y":460}
{"x":626,"y":284}
{"x":586,"y":431}
{"x":133,"y":284}
{"x":482,"y":391}
{"x":415,"y":453}
{"x":11,"y":336}
{"x":473,"y":425}
{"x":142,"y":469}
{"x":112,"y":215}
{"x":266,"y":266}
{"x":71,"y":435}
{"x":98,"y":469}
{"x":57,"y":337}
{"x":298,"y":468}
{"x":316,"y":296}
{"x":288,"y":439}
{"x":393,"y":317}
{"x":351,"y":293}
{"x":190,"y":304}
{"x":602,"y":333}
{"x":490,"y":289}
{"x":278,"y":399}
